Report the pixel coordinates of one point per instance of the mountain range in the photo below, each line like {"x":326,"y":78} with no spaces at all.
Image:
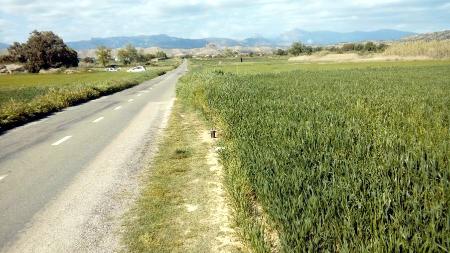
{"x":285,"y":39}
{"x":3,"y":45}
{"x":443,"y":35}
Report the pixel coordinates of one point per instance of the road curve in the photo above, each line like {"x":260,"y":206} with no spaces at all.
{"x":64,"y":179}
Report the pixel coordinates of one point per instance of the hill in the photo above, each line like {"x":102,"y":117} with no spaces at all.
{"x":329,"y":37}
{"x":3,"y":45}
{"x":144,"y":41}
{"x":443,"y":35}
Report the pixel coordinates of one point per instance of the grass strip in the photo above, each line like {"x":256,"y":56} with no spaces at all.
{"x":179,"y":209}
{"x":22,"y":107}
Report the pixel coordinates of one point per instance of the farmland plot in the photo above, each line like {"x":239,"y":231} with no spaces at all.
{"x":325,"y":158}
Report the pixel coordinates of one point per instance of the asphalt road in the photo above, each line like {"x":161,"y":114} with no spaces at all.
{"x":60,"y":176}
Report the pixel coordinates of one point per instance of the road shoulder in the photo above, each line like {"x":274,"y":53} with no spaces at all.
{"x":86,"y":215}
{"x":183,"y":205}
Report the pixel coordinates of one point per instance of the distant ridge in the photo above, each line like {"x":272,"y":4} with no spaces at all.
{"x":161,"y":40}
{"x":442,"y":35}
{"x":3,"y":45}
{"x":285,"y":39}
{"x":329,"y":37}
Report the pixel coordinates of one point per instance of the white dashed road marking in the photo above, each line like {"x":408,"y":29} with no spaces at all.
{"x":144,"y":91}
{"x":139,"y":94}
{"x":2,"y":177}
{"x":130,"y":100}
{"x":62,"y":140}
{"x":118,"y":108}
{"x":98,"y":120}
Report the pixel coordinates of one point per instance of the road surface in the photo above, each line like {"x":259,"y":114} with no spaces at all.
{"x":65,"y":180}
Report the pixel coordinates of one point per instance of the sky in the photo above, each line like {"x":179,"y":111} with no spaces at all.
{"x":237,"y":19}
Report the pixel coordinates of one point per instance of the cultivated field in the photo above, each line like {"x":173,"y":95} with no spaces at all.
{"x":332,"y":157}
{"x":24,"y":97}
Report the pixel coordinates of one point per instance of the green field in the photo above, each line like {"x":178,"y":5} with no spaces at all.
{"x":332,"y":157}
{"x":24,"y":97}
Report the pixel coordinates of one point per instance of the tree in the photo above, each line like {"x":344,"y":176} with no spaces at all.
{"x":228,"y":52}
{"x":161,"y":55}
{"x":43,"y":50}
{"x":348,"y":47}
{"x":370,"y":46}
{"x":88,"y":60}
{"x":128,"y":54}
{"x":296,"y":49}
{"x":280,"y":51}
{"x":308,"y":50}
{"x":382,"y":47}
{"x":359,"y":47}
{"x":16,"y":52}
{"x":103,"y":55}
{"x":147,"y":57}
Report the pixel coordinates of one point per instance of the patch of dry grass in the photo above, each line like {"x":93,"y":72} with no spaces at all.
{"x":432,"y":49}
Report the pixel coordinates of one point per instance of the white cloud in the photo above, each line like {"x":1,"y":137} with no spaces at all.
{"x":83,"y":19}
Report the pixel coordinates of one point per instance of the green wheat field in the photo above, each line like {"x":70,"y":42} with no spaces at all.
{"x":332,"y":157}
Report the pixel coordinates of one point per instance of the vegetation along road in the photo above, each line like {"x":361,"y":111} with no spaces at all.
{"x":47,"y":203}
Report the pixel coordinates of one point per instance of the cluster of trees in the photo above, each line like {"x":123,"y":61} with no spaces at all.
{"x":360,"y":47}
{"x":127,"y":55}
{"x":228,"y":52}
{"x":43,"y":50}
{"x":298,"y":48}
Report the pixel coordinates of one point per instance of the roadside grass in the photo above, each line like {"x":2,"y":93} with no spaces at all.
{"x":25,"y":97}
{"x":349,"y":157}
{"x":179,"y":207}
